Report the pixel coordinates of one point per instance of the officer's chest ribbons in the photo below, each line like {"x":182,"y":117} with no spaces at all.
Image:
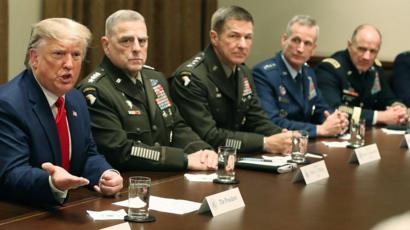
{"x":247,"y":90}
{"x":312,"y":89}
{"x":376,"y":84}
{"x":161,"y":99}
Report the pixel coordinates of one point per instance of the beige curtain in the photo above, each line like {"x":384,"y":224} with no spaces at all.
{"x":4,"y":25}
{"x":177,"y":29}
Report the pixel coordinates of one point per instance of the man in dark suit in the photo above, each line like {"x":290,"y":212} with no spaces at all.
{"x":45,"y":140}
{"x":401,"y":77}
{"x":215,"y":91}
{"x":287,"y":86}
{"x":133,"y":120}
{"x":353,"y":81}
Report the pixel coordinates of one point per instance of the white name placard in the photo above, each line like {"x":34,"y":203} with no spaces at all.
{"x":222,"y":202}
{"x":312,"y":173}
{"x":365,"y":154}
{"x":405,"y":142}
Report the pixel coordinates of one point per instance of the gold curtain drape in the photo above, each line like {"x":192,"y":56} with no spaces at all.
{"x":4,"y":25}
{"x":177,"y":29}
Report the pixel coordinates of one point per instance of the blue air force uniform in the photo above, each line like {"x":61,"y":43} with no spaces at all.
{"x":295,"y":104}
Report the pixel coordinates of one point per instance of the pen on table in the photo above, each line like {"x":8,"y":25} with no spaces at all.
{"x":319,"y":154}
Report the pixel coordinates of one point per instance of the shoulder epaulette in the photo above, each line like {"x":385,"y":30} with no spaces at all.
{"x":148,"y":67}
{"x":378,"y":62}
{"x":196,"y":60}
{"x":269,"y":66}
{"x":335,"y":63}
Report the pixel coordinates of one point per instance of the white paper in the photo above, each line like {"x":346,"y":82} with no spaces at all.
{"x":123,"y":226}
{"x":201,"y":177}
{"x":394,"y":132}
{"x":107,"y":214}
{"x":345,"y":136}
{"x":136,"y":203}
{"x":336,"y":144}
{"x":168,"y":205}
{"x":277,"y":160}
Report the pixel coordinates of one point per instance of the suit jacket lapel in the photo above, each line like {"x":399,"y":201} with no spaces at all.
{"x":75,"y":131}
{"x":43,"y":113}
{"x":306,"y":89}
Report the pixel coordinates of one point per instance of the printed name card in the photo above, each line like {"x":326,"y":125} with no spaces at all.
{"x":405,"y":142}
{"x":365,"y":154}
{"x":312,"y":173}
{"x":222,"y":202}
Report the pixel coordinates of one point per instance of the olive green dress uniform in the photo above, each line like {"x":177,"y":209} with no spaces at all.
{"x":222,"y":110}
{"x":137,"y":130}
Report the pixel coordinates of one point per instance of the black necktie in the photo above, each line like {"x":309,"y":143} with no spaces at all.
{"x":299,"y":82}
{"x":141,"y":92}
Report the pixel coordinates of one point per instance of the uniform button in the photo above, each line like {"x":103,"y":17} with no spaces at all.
{"x":157,"y":144}
{"x":154,"y":127}
{"x":139,"y":142}
{"x":138,"y":130}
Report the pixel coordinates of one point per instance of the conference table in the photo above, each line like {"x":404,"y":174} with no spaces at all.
{"x":353,"y":197}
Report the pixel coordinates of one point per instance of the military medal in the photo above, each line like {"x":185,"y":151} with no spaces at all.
{"x":282,"y":90}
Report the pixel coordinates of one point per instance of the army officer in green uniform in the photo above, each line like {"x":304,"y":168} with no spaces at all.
{"x":216,"y":95}
{"x":134,"y":122}
{"x":353,"y":80}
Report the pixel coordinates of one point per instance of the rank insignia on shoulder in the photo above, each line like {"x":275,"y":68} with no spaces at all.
{"x":118,"y":80}
{"x":333,"y":62}
{"x":94,"y":77}
{"x":269,"y":66}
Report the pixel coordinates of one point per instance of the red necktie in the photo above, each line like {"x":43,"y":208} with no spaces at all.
{"x":61,"y":122}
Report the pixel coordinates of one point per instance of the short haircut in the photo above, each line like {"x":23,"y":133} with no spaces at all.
{"x":121,"y":16}
{"x":60,"y":29}
{"x":224,"y":14}
{"x":362,"y":26}
{"x":304,"y":20}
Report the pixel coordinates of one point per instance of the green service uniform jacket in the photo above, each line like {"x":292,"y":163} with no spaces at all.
{"x":134,"y":132}
{"x":223,"y":111}
{"x":342,"y":84}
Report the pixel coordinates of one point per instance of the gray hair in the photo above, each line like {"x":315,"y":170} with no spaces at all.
{"x":304,"y":20}
{"x":121,"y":16}
{"x":58,"y":29}
{"x":223,"y":14}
